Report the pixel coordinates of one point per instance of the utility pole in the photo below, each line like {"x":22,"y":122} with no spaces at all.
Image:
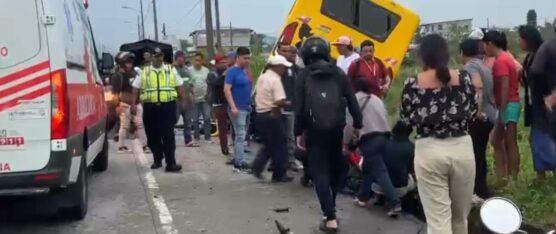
{"x":231,"y":37}
{"x":209,"y":31}
{"x":138,"y":28}
{"x":155,"y":21}
{"x":218,"y":34}
{"x":142,"y":21}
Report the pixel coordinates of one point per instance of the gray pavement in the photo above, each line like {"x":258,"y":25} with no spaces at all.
{"x":208,"y":197}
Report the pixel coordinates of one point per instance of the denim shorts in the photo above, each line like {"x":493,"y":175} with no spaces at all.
{"x":512,"y":112}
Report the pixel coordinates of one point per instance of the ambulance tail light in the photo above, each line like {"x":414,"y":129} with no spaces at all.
{"x":60,"y":105}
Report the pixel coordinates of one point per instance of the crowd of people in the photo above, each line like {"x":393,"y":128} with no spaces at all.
{"x":309,"y":108}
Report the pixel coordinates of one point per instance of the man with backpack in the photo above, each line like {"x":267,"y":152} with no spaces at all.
{"x":322,"y":94}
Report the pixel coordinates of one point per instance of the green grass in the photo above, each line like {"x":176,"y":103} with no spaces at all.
{"x":537,"y":200}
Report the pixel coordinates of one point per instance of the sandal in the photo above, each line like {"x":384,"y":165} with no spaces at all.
{"x":191,"y":144}
{"x":327,"y":229}
{"x":360,"y":203}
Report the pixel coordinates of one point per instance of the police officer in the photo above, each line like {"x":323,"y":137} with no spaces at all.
{"x":158,"y":87}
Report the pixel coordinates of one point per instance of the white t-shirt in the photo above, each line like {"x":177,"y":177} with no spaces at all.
{"x":344,"y":62}
{"x":137,"y":81}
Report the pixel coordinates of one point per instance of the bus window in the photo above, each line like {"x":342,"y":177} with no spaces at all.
{"x":363,"y":15}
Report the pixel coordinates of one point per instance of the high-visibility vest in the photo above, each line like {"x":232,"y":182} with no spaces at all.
{"x":158,"y":86}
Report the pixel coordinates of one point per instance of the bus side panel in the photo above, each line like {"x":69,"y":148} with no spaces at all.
{"x":307,"y":14}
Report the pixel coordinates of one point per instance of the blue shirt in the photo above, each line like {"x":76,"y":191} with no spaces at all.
{"x":241,"y":87}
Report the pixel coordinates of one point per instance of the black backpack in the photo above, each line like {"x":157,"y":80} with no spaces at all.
{"x":325,"y":104}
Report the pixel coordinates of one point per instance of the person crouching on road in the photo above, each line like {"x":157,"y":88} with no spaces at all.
{"x":321,"y":94}
{"x":270,"y":97}
{"x":158,"y":87}
{"x":373,"y":141}
{"x":215,"y":82}
{"x":122,"y":96}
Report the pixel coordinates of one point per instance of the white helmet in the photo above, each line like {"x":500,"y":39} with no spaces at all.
{"x":477,"y":34}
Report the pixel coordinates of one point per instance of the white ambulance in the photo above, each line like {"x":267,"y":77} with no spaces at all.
{"x":52,"y":109}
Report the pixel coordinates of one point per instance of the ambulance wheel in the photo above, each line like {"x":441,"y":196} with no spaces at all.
{"x":101,"y":161}
{"x":78,"y":196}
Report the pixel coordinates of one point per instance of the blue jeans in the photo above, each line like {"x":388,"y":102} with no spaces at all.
{"x":372,"y":148}
{"x":185,"y":113}
{"x":201,"y":109}
{"x":240,"y":124}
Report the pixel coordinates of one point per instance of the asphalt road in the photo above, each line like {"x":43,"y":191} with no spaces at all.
{"x":208,"y":197}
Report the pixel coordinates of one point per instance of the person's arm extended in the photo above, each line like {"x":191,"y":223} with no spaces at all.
{"x":478,"y":84}
{"x":505,"y":84}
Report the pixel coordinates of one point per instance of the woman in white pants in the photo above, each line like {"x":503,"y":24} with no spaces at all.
{"x":440,"y":103}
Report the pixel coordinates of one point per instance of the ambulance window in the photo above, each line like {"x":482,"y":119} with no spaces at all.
{"x":362,"y":15}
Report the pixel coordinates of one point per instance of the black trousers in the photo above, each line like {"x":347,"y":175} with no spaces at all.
{"x":328,"y":167}
{"x":159,"y":120}
{"x":271,"y":129}
{"x":480,"y":132}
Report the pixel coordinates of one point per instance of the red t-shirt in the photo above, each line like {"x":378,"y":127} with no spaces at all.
{"x":375,"y":72}
{"x":504,"y":66}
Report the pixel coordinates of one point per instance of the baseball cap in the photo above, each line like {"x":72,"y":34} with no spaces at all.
{"x":218,"y":58}
{"x":279,"y":60}
{"x":477,"y":34}
{"x":158,"y":51}
{"x":343,"y":40}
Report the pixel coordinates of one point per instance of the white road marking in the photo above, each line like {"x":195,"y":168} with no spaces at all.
{"x":164,"y":215}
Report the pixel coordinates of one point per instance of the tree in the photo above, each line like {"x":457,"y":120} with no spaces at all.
{"x":532,"y":18}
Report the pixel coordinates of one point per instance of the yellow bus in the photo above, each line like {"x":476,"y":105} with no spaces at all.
{"x":388,"y":24}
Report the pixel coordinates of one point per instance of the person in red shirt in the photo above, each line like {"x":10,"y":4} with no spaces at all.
{"x":506,"y":96}
{"x":372,"y":69}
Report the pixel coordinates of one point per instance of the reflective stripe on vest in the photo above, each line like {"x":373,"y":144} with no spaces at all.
{"x":158,"y":86}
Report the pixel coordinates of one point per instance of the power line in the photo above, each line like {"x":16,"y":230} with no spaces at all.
{"x":192,"y":8}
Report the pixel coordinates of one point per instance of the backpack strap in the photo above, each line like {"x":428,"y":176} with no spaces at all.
{"x":365,"y":103}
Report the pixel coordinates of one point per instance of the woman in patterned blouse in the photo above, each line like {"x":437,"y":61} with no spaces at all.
{"x":440,"y":103}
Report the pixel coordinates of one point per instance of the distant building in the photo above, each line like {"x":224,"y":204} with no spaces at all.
{"x":445,"y":27}
{"x":230,"y":38}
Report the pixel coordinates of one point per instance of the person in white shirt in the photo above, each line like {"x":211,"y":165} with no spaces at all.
{"x":347,"y":53}
{"x":270,"y":98}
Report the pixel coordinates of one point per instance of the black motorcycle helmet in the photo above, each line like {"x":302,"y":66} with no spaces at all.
{"x":314,"y":49}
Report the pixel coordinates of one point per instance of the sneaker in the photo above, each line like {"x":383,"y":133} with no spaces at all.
{"x":156,"y":165}
{"x":243,"y":169}
{"x":146,"y":150}
{"x":476,"y":200}
{"x":123,"y":149}
{"x":173,"y":168}
{"x":283,"y":179}
{"x":294,"y":167}
{"x":395,"y":211}
{"x":230,"y":162}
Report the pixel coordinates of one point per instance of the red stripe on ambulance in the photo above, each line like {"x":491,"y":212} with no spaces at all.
{"x":24,"y":89}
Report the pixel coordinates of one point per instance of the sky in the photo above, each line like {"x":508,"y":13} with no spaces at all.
{"x":114,"y":25}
